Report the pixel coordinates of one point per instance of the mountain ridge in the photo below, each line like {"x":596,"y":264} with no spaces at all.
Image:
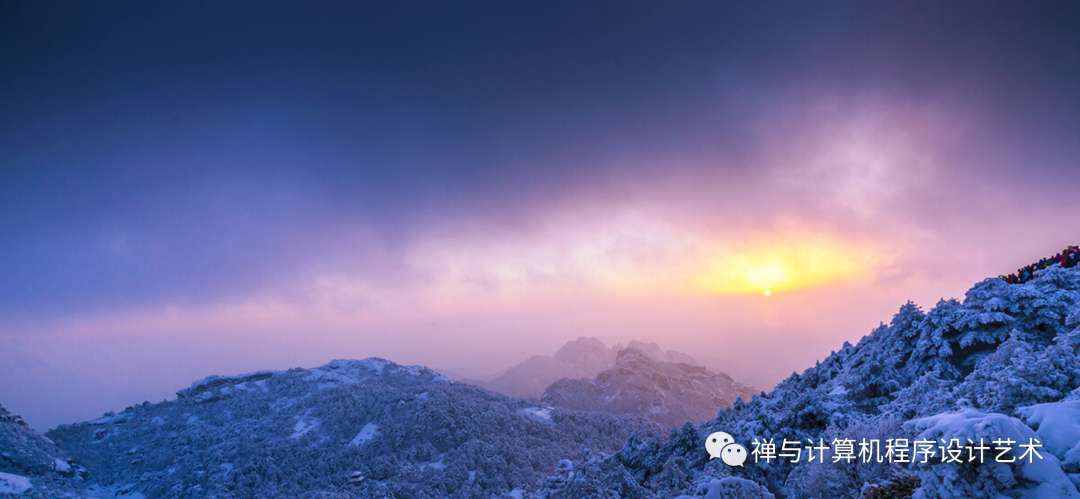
{"x":583,"y":358}
{"x":371,"y":427}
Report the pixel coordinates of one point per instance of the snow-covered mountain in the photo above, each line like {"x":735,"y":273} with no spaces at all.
{"x":1004,"y":363}
{"x":30,"y":461}
{"x":667,"y":392}
{"x":581,"y":358}
{"x":369,"y":428}
{"x":653,"y":351}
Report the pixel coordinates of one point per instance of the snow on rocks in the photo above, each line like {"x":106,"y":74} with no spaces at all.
{"x":1058,"y":426}
{"x":14,"y":484}
{"x":541,"y":414}
{"x":368,"y":432}
{"x":733,"y":488}
{"x":304,"y":425}
{"x":1030,"y":476}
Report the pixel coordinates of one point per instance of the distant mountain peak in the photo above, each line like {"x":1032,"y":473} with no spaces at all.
{"x":640,"y":384}
{"x":584,"y":357}
{"x":583,"y":348}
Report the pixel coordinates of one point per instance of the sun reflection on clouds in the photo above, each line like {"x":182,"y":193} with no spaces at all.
{"x":636,"y":256}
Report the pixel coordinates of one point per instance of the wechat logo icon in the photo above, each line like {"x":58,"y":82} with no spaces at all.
{"x":722,"y":445}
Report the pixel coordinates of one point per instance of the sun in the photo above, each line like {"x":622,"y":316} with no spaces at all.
{"x":784,"y":263}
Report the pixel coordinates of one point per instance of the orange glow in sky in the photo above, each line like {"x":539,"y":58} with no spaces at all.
{"x":784,"y":263}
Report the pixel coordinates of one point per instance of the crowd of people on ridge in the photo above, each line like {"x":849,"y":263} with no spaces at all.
{"x":1068,"y":258}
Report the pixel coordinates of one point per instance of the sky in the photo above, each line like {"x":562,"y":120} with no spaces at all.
{"x":196,"y":188}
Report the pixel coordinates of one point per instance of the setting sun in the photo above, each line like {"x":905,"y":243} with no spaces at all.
{"x":787,"y":263}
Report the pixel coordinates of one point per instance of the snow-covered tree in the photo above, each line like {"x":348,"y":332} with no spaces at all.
{"x":984,"y":473}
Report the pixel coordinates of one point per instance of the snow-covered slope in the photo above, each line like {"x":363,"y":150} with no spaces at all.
{"x":669,"y":393}
{"x":1002,"y":363}
{"x":368,"y":428}
{"x":33,"y":464}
